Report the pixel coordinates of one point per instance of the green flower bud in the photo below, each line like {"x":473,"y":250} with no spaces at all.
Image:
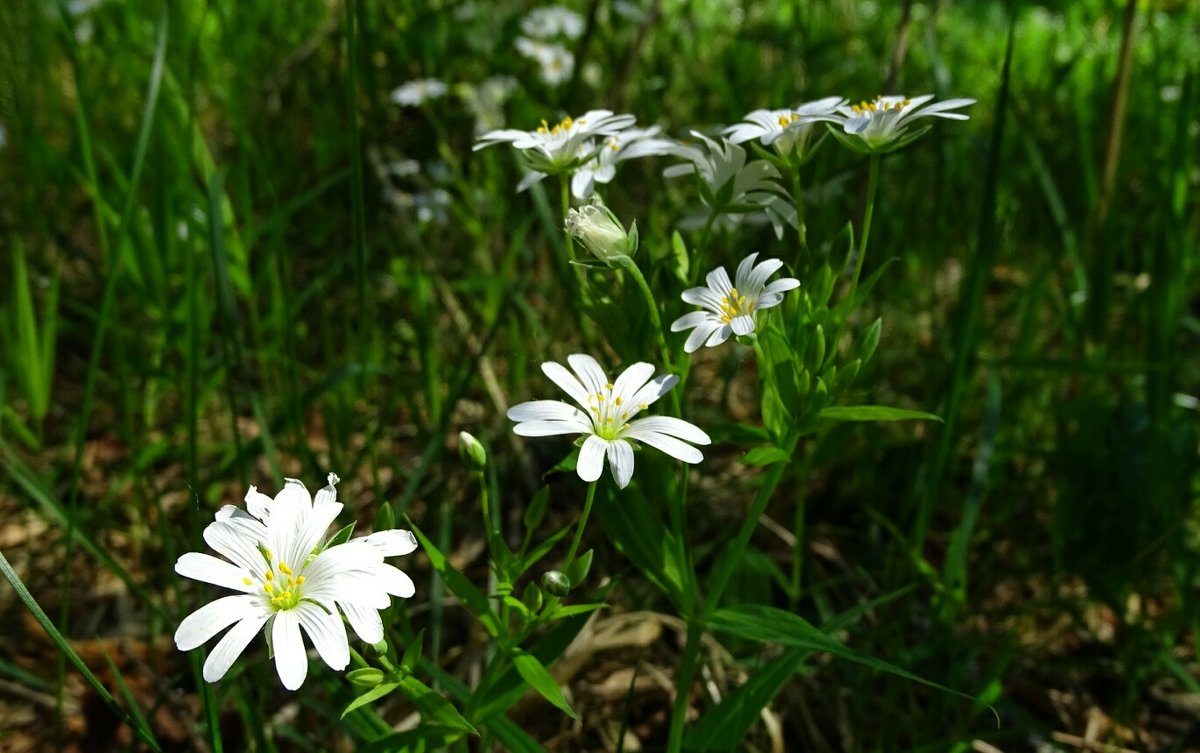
{"x":601,"y":233}
{"x":555,"y":583}
{"x":471,"y":451}
{"x":365,"y":677}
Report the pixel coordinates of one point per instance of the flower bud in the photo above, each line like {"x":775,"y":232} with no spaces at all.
{"x":365,"y":677}
{"x":601,"y":233}
{"x":555,"y":583}
{"x":471,"y":451}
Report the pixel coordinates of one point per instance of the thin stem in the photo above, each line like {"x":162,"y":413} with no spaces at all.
{"x":587,"y":510}
{"x":798,"y":200}
{"x":872,"y":187}
{"x":683,"y":687}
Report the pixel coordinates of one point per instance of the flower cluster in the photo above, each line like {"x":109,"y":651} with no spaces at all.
{"x":289,"y":578}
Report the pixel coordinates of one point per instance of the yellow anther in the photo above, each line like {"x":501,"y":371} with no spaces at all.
{"x":300,"y":581}
{"x":617,"y":399}
{"x":609,"y":386}
{"x":643,"y":406}
{"x":270,"y":575}
{"x":600,"y":397}
{"x":283,"y":568}
{"x":247,"y":581}
{"x":267,"y":587}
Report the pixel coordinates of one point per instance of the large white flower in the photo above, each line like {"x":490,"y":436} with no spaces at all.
{"x":560,"y":148}
{"x":628,"y":144}
{"x":289,"y":578}
{"x":607,"y":417}
{"x":788,"y":131}
{"x":882,"y":125}
{"x":732,"y":307}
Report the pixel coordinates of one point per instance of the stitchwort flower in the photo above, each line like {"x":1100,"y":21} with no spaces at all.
{"x":289,"y":577}
{"x":882,"y":125}
{"x":789,"y":131}
{"x":628,"y":144}
{"x":732,"y":307}
{"x":553,"y":21}
{"x":606,"y":419}
{"x":601,"y":233}
{"x":560,"y":148}
{"x":415,"y":93}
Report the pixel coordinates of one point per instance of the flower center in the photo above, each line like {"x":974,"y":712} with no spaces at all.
{"x":879,"y":105}
{"x":280,"y":583}
{"x":787,"y":120}
{"x":558,"y":129}
{"x":610,"y":414}
{"x":735,"y":305}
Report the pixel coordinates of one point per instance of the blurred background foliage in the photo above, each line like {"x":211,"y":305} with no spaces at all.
{"x":225,"y":267}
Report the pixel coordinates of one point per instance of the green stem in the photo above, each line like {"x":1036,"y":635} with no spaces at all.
{"x":580,"y":277}
{"x":701,"y":247}
{"x":872,"y":187}
{"x":798,"y":199}
{"x":683,"y":687}
{"x":587,"y":510}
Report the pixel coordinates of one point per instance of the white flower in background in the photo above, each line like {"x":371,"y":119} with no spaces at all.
{"x":731,"y":186}
{"x":561,"y":148}
{"x":882,"y":125}
{"x":553,"y":21}
{"x":556,"y":62}
{"x":289,"y":578}
{"x":732,"y":307}
{"x":628,"y":144}
{"x":416,"y":93}
{"x":606,"y":419}
{"x":486,"y":101}
{"x":788,"y":131}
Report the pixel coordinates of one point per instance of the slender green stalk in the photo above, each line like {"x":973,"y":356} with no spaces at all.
{"x":656,"y":322}
{"x":587,"y":510}
{"x":864,"y":236}
{"x":683,"y":687}
{"x":798,"y":199}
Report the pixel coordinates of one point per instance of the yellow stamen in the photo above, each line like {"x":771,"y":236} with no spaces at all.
{"x":270,"y":575}
{"x":283,"y":568}
{"x":247,"y":581}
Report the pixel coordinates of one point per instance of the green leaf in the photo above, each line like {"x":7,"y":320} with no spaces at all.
{"x":471,"y":597}
{"x":423,"y":739}
{"x":770,"y":625}
{"x":372,"y":695}
{"x":537,"y":509}
{"x":578,"y":571}
{"x":541,"y":550}
{"x":385,"y":517}
{"x":874,"y":413}
{"x":539,"y":679}
{"x":725,"y":726}
{"x":341,"y":537}
{"x":679,"y":257}
{"x":432,"y":706}
{"x":765,"y":456}
{"x":413,"y":651}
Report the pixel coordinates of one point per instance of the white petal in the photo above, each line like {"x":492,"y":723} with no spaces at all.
{"x":631,"y":380}
{"x":550,"y":428}
{"x":718,"y":282}
{"x":782,"y":285}
{"x":590,"y":374}
{"x":756,"y":278}
{"x":327,"y":633}
{"x":742,"y":325}
{"x":365,"y":621}
{"x":231,"y":646}
{"x":258,"y":504}
{"x":656,"y":388}
{"x":742,"y":274}
{"x":675,"y":427}
{"x":669,"y":445}
{"x":327,"y":493}
{"x":291,"y":661}
{"x":582,"y":183}
{"x":706,"y":297}
{"x":312,"y":534}
{"x":689,"y":320}
{"x":703,"y":332}
{"x":396,"y":581}
{"x":620,"y":461}
{"x":566,"y":381}
{"x":591,"y":458}
{"x":343,"y":558}
{"x":544,"y":410}
{"x":529,"y":179}
{"x":200,"y":626}
{"x":394,"y":542}
{"x":235,"y":545}
{"x":294,"y":492}
{"x":208,"y":569}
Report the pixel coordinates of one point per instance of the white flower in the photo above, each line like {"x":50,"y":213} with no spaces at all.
{"x":605,"y":420}
{"x":557,"y":149}
{"x":788,"y":131}
{"x":731,"y":186}
{"x":882,"y":125}
{"x":414,"y":93}
{"x":628,"y":144}
{"x":290,"y":578}
{"x":553,"y":21}
{"x":731,"y":307}
{"x":486,"y":101}
{"x":557,"y":62}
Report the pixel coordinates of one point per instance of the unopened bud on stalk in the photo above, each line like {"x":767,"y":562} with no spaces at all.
{"x":601,"y":233}
{"x":471,"y":451}
{"x":555,"y":583}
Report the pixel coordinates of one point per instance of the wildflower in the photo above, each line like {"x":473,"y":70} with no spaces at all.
{"x":289,"y":578}
{"x":416,"y":93}
{"x":486,"y":101}
{"x":788,"y":131}
{"x":601,"y":233}
{"x":882,"y":125}
{"x":557,"y":62}
{"x":553,"y":21}
{"x":732,"y":308}
{"x":606,"y":418}
{"x":628,"y":144}
{"x":559,"y":148}
{"x":728,"y":185}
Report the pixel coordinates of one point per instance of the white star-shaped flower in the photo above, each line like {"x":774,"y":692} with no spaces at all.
{"x":882,"y":125}
{"x":789,"y":131}
{"x":606,"y":419}
{"x":628,"y":144}
{"x":732,"y":307}
{"x":278,"y":558}
{"x":551,"y":150}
